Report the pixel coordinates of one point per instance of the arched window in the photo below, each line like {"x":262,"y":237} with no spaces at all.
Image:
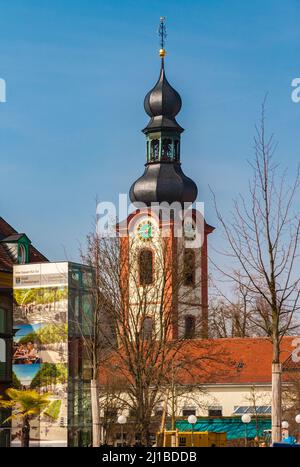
{"x":22,"y":254}
{"x":189,"y":267}
{"x":148,"y":327}
{"x":146,"y":267}
{"x":166,"y":148}
{"x":176,"y":150}
{"x":190,"y":327}
{"x":154,"y":155}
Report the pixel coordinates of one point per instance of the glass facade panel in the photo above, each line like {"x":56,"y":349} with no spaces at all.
{"x":2,"y":320}
{"x":48,"y":352}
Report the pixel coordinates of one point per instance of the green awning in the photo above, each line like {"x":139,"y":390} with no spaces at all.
{"x":233,"y":426}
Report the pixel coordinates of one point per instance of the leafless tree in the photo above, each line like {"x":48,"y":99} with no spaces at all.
{"x":146,"y":299}
{"x":89,"y":326}
{"x":256,"y":399}
{"x":111,"y":403}
{"x":231,"y":315}
{"x":263,"y":238}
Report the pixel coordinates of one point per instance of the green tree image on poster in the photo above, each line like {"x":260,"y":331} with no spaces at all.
{"x":50,"y":374}
{"x":16,"y":383}
{"x":49,"y":334}
{"x":40,"y":296}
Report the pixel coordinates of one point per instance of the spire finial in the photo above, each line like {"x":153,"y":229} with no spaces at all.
{"x":162,"y":36}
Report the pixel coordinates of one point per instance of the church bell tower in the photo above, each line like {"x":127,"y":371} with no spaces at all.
{"x":163,"y":181}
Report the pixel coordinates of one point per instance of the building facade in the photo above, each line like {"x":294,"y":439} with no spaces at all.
{"x":53,"y":301}
{"x":15,"y":248}
{"x":226,"y":379}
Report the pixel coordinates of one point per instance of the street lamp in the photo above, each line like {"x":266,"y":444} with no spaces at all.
{"x":284,"y":426}
{"x":246,"y":418}
{"x":192,"y":419}
{"x":122,"y":420}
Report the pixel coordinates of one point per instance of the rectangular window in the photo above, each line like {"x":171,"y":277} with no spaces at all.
{"x":189,"y":267}
{"x":215,"y":411}
{"x":182,"y":441}
{"x":3,"y":371}
{"x":186,"y":412}
{"x":146,"y":267}
{"x":2,"y":350}
{"x":190,"y":327}
{"x":74,"y":357}
{"x":2,"y":320}
{"x":260,"y":409}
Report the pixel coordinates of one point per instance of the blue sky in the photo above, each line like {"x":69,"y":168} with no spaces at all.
{"x":26,"y":373}
{"x":77,"y":73}
{"x":24,"y":329}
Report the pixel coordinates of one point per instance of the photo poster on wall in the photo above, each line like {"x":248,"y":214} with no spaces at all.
{"x":40,"y":350}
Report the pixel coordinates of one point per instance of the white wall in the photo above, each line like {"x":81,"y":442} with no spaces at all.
{"x":228,"y":397}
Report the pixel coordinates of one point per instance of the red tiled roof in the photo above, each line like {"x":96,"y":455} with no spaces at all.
{"x":292,"y":365}
{"x":35,"y":256}
{"x":220,"y":361}
{"x":243,"y":360}
{"x":5,"y":228}
{"x":6,"y":261}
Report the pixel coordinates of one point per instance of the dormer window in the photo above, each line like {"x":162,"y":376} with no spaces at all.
{"x":18,"y":247}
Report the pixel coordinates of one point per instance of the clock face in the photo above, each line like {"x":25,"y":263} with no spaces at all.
{"x":145,"y":230}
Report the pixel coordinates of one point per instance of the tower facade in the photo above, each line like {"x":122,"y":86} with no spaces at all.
{"x":166,"y":272}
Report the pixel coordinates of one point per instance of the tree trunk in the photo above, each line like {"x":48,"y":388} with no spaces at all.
{"x":276,"y":402}
{"x":25,"y":433}
{"x":95,"y":412}
{"x":146,"y":435}
{"x":164,"y":413}
{"x":173,"y":415}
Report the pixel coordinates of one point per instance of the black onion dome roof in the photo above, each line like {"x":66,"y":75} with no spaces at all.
{"x":162,"y":99}
{"x":162,"y":104}
{"x":163,"y":182}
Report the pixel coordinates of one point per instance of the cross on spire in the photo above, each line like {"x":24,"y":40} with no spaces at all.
{"x":162,"y":32}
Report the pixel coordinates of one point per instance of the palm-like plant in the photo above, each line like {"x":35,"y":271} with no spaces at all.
{"x":26,"y":404}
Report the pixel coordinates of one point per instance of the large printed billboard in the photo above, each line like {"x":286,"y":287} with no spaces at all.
{"x":40,"y":349}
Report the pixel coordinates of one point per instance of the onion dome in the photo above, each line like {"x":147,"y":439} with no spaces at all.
{"x":162,"y":104}
{"x":163,"y":182}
